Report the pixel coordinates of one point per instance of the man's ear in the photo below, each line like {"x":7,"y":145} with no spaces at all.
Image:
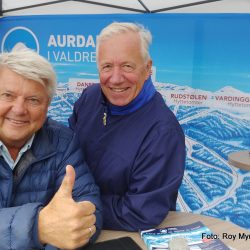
{"x":149,"y":68}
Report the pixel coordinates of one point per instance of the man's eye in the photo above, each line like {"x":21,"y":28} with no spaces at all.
{"x":33,"y":101}
{"x":127,"y":68}
{"x":6,"y":97}
{"x":106,"y":68}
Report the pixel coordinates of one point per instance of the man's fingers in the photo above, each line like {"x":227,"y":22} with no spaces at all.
{"x":89,"y":207}
{"x":89,"y":220}
{"x":91,"y":230}
{"x":68,"y":182}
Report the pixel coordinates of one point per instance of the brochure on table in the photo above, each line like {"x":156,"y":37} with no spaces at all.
{"x":197,"y":235}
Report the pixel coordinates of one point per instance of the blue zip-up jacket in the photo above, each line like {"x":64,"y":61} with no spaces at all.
{"x":136,"y":154}
{"x":35,"y":180}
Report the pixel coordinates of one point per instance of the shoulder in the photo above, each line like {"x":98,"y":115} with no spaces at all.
{"x":56,"y":135}
{"x":57,"y":129}
{"x":160,"y":111}
{"x":89,"y":94}
{"x":163,"y":117}
{"x":92,"y":90}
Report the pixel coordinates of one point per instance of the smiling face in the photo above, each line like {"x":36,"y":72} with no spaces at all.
{"x":23,"y":108}
{"x":122,"y":69}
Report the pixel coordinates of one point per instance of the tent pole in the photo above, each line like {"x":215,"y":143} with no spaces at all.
{"x":32,"y":6}
{"x":110,"y":5}
{"x":184,"y":5}
{"x":1,"y":8}
{"x":144,"y":6}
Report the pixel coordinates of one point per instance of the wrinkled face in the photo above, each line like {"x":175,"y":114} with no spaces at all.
{"x":122,"y":70}
{"x":23,"y":108}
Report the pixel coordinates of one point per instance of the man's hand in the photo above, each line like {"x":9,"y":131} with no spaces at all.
{"x":65,"y":223}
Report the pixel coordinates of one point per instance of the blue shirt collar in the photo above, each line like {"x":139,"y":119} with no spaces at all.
{"x":145,"y":95}
{"x":6,"y":155}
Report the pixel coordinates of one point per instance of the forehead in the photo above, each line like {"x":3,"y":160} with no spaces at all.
{"x":7,"y":74}
{"x":120,"y":46}
{"x":10,"y":80}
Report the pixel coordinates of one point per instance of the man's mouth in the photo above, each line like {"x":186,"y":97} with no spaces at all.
{"x":118,"y":90}
{"x":16,"y":121}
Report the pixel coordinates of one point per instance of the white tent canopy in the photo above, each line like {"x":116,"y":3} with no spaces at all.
{"x":27,"y":7}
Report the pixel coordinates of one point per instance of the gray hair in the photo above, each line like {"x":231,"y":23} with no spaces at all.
{"x":32,"y":66}
{"x":123,"y":27}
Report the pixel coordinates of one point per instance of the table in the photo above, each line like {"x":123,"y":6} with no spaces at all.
{"x":217,"y":226}
{"x":240,"y":159}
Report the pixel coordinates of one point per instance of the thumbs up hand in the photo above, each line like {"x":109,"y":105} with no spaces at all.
{"x":65,"y":223}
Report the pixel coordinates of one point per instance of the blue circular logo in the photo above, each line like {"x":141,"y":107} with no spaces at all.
{"x":20,"y":36}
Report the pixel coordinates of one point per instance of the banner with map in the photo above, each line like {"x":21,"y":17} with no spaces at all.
{"x":201,"y":66}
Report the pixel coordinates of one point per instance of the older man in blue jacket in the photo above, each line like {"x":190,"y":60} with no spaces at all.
{"x":132,"y":142}
{"x":48,"y":198}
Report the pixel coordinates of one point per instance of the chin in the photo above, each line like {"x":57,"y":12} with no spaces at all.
{"x":120,"y":103}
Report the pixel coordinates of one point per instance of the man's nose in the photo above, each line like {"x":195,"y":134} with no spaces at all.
{"x":19,"y":106}
{"x":116,"y":75}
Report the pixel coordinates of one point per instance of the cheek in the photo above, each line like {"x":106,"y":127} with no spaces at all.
{"x":39,"y":115}
{"x":103,"y":79}
{"x":136,"y":81}
{"x":2,"y":112}
{"x":132,"y":79}
{"x":4,"y":108}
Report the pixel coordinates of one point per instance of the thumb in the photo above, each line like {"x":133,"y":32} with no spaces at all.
{"x":68,"y":182}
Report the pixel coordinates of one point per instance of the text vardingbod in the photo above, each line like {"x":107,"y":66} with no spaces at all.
{"x":226,"y":236}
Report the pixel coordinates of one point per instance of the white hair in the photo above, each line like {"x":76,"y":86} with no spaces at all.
{"x":30,"y":65}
